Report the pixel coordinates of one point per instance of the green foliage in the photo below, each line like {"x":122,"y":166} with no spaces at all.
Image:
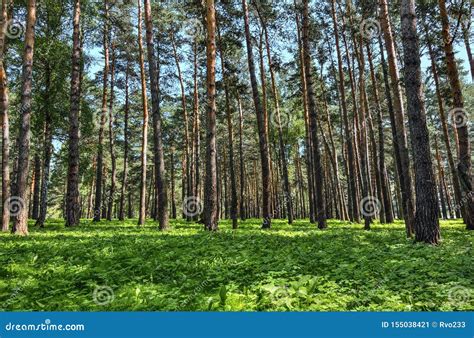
{"x":297,"y":268}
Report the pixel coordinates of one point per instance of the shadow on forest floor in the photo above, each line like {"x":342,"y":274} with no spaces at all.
{"x":294,"y":267}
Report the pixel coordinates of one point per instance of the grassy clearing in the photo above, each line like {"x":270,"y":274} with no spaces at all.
{"x":286,"y":268}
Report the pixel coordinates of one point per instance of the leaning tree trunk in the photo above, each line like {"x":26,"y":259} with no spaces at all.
{"x":262,"y":127}
{"x":460,"y":118}
{"x":319,"y":176}
{"x":142,"y":208}
{"x":161,"y":185}
{"x":210,"y":189}
{"x":426,"y":216}
{"x":72,"y":199}
{"x":100,"y":146}
{"x":20,"y":218}
{"x":399,"y":114}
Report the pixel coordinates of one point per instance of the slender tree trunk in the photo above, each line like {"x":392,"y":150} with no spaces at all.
{"x":173,"y":199}
{"x":100,"y":146}
{"x":319,"y":176}
{"x":426,"y":216}
{"x":466,"y":36}
{"x":125,"y":145}
{"x":20,"y":219}
{"x":286,"y":181}
{"x":161,"y":185}
{"x":262,"y":127}
{"x":142,"y":208}
{"x":399,"y":114}
{"x":230,"y":131}
{"x":210,"y":191}
{"x":36,"y":187}
{"x":442,"y":116}
{"x":113,"y":160}
{"x":442,"y":192}
{"x":243,"y":213}
{"x":72,"y":199}
{"x":4,"y":97}
{"x":461,"y":124}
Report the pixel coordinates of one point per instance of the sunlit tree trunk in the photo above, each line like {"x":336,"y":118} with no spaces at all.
{"x":20,"y":220}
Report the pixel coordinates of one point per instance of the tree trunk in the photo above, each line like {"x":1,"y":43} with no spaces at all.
{"x":161,"y":186}
{"x":20,"y":218}
{"x":113,"y":160}
{"x":36,"y":187}
{"x":72,"y":200}
{"x":460,"y":119}
{"x":243,"y":213}
{"x":319,"y":176}
{"x":399,"y":114}
{"x":100,"y":146}
{"x":426,"y":216}
{"x":5,"y":123}
{"x":125,"y":145}
{"x":210,"y":190}
{"x":230,"y":131}
{"x":142,"y":208}
{"x":262,"y":127}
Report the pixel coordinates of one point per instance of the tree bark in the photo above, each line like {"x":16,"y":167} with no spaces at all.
{"x":143,"y":166}
{"x":262,"y":127}
{"x":125,"y":145}
{"x":100,"y":146}
{"x":20,"y":220}
{"x":36,"y":187}
{"x":210,"y":191}
{"x":426,"y":216}
{"x":113,"y":159}
{"x":319,"y":176}
{"x":464,"y":164}
{"x":399,"y":114}
{"x":161,"y":186}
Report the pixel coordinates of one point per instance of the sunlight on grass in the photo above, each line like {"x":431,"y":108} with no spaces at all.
{"x":287,"y":267}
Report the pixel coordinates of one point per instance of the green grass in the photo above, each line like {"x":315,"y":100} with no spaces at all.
{"x":297,"y":268}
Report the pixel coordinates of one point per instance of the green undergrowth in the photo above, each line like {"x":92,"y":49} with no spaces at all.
{"x":113,"y":266}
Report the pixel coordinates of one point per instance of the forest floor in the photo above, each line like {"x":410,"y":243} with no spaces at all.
{"x":116,"y":266}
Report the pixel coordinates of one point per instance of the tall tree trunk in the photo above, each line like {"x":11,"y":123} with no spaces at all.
{"x":72,"y":200}
{"x":319,"y":176}
{"x":100,"y":146}
{"x":210,"y":190}
{"x":399,"y":114}
{"x":461,"y":123}
{"x":5,"y":122}
{"x":186,"y":168}
{"x":286,"y":181}
{"x":243,"y":213}
{"x":173,"y":199}
{"x":142,"y":208}
{"x":125,"y":145}
{"x":230,"y":131}
{"x":113,"y":160}
{"x":426,"y":216}
{"x":444,"y":125}
{"x":36,"y":187}
{"x":387,"y":203}
{"x":262,"y":127}
{"x":442,"y":192}
{"x":161,"y":186}
{"x":20,"y":219}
